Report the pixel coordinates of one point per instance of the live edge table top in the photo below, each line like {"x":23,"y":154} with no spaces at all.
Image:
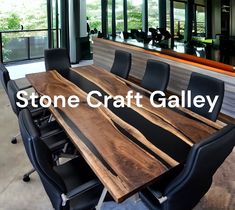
{"x":127,"y":148}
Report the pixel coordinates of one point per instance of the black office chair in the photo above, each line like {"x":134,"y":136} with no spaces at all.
{"x":57,"y":59}
{"x":126,"y":35}
{"x":134,"y":33}
{"x":184,"y":189}
{"x":39,"y":114}
{"x":40,"y":117}
{"x":156,"y":76}
{"x":54,"y":138}
{"x":4,"y":76}
{"x":100,"y":35}
{"x":204,"y":85}
{"x":143,"y":37}
{"x":122,"y":64}
{"x":156,"y":37}
{"x":72,"y":185}
{"x":5,"y":79}
{"x":165,"y":33}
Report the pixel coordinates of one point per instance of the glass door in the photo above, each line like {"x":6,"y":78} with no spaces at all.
{"x":200,"y":29}
{"x":179,"y":19}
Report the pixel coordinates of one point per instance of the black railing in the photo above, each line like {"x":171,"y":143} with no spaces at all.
{"x":19,"y":45}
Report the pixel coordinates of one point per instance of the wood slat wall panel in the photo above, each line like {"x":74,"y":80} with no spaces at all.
{"x":180,"y":71}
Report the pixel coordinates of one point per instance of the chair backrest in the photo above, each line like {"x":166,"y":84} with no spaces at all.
{"x":153,"y":30}
{"x":204,"y":85}
{"x":57,"y":59}
{"x":156,"y":76}
{"x":186,"y":190}
{"x":122,"y":64}
{"x":4,"y":76}
{"x":134,"y":33}
{"x":41,"y":158}
{"x":165,"y":33}
{"x":12,"y":90}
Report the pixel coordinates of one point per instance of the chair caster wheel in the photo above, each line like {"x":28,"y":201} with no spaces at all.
{"x":26,"y":178}
{"x":14,"y":140}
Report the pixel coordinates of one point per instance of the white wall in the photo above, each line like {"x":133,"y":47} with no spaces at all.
{"x":232,"y":24}
{"x":83,"y":20}
{"x":82,"y":26}
{"x":216,"y":17}
{"x":72,"y":35}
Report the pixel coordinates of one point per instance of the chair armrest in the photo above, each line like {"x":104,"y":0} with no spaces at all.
{"x":26,"y":87}
{"x":58,"y":144}
{"x":37,"y":109}
{"x":40,"y":113}
{"x":158,"y":195}
{"x":158,"y":187}
{"x":79,"y":190}
{"x":51,"y":133}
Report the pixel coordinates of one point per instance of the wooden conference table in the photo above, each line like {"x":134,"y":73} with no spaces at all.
{"x":127,"y":148}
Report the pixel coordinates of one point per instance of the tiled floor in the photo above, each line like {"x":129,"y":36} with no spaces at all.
{"x":17,"y":195}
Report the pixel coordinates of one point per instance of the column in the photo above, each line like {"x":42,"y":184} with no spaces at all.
{"x":104,"y":14}
{"x":125,"y":15}
{"x":189,"y":20}
{"x":145,"y":16}
{"x":49,"y":23}
{"x":113,"y":18}
{"x":209,"y":18}
{"x":162,"y":14}
{"x":64,"y":20}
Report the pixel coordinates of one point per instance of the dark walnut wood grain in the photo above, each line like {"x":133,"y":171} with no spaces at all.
{"x":188,"y":129}
{"x":121,"y":165}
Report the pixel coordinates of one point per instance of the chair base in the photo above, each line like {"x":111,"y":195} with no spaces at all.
{"x":14,"y":140}
{"x":26,"y":177}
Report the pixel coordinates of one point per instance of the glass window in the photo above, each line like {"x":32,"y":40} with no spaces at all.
{"x":153,"y":13}
{"x":201,"y":2}
{"x":110,"y":16}
{"x":119,"y":16}
{"x":34,"y":16}
{"x":23,"y":13}
{"x":55,"y":22}
{"x":168,"y":16}
{"x":94,"y":14}
{"x":134,"y":14}
{"x":179,"y":18}
{"x":201,"y":19}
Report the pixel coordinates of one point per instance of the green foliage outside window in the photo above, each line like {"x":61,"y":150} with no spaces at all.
{"x":94,"y":14}
{"x":26,"y":13}
{"x":134,"y":15}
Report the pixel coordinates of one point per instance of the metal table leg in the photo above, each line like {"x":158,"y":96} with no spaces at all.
{"x":50,"y":119}
{"x":101,"y":200}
